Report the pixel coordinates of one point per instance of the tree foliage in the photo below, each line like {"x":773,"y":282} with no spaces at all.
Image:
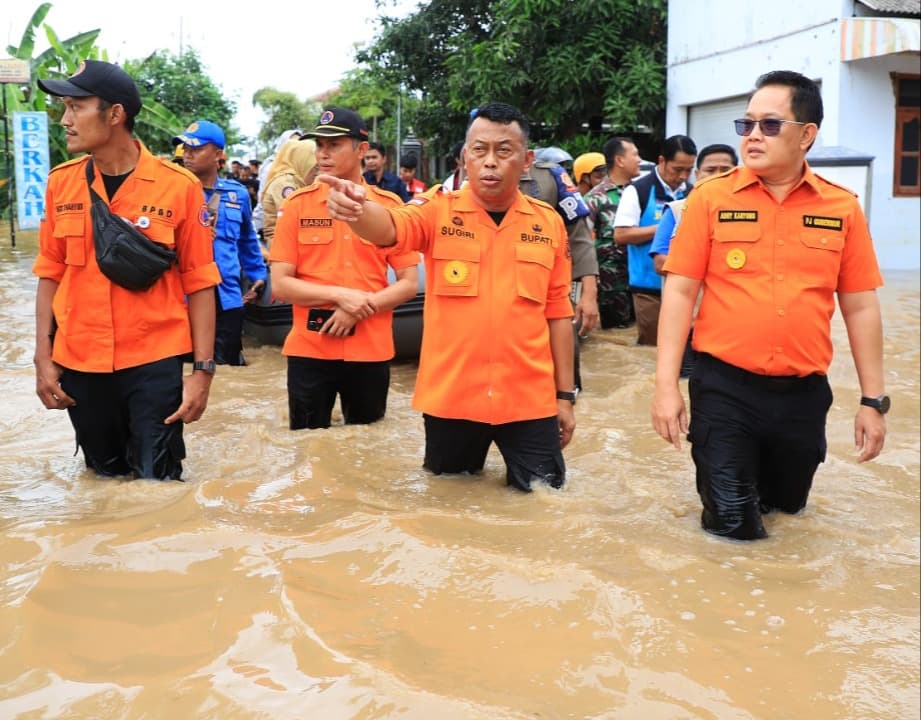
{"x":174,"y":89}
{"x":284,"y":112}
{"x":181,"y":90}
{"x":573,"y":66}
{"x":61,"y":59}
{"x":381,"y":100}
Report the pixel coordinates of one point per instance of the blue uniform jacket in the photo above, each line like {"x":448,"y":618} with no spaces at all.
{"x":236,"y":245}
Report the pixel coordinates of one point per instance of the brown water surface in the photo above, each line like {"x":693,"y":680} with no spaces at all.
{"x":325,"y":575}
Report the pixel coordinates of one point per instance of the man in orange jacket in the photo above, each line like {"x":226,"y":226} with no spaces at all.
{"x":109,"y":355}
{"x":497,"y":355}
{"x":772,"y":245}
{"x":341,"y":338}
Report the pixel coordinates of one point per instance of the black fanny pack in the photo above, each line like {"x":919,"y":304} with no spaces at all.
{"x":124,"y":254}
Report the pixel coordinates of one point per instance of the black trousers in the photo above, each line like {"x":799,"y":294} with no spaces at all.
{"x":313,"y":384}
{"x":228,"y":337}
{"x":756,"y":443}
{"x":530,"y":448}
{"x":118,"y":419}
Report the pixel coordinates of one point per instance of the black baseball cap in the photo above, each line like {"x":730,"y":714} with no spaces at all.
{"x":339,"y":122}
{"x":99,"y":79}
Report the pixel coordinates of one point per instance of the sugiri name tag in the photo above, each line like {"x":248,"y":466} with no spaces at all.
{"x":735,"y":258}
{"x":455,"y":272}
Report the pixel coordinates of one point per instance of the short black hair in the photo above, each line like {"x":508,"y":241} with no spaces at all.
{"x":806,"y":99}
{"x":717,"y":148}
{"x":504,"y":114}
{"x":456,"y":149}
{"x":409,"y":161}
{"x":676,"y":144}
{"x":379,"y":147}
{"x":613,"y":149}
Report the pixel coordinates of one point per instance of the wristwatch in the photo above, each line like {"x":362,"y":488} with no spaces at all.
{"x":207,"y":366}
{"x":570,"y":395}
{"x":881,"y":404}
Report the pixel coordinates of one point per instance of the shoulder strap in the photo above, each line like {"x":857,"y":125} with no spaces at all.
{"x":94,"y":196}
{"x":214,"y":203}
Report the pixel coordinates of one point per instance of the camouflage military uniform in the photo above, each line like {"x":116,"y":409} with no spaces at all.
{"x":614,"y":300}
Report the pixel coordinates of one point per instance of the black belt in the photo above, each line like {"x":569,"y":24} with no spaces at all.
{"x":770,"y":383}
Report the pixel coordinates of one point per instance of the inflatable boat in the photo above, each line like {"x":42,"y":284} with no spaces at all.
{"x":268,"y":321}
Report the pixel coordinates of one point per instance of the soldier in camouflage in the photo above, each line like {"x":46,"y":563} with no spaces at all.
{"x":615,"y":303}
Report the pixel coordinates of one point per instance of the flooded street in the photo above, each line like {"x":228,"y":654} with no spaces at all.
{"x":326,"y":575}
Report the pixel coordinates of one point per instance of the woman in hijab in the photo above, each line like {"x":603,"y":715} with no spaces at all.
{"x":294,"y":167}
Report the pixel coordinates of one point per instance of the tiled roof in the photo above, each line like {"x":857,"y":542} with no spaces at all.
{"x":894,"y":7}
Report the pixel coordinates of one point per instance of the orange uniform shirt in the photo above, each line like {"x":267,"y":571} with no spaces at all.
{"x":489,"y":292}
{"x":328,"y":252}
{"x":770,"y":269}
{"x":103,"y":327}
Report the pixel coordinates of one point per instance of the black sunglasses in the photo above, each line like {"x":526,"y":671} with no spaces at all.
{"x":769,"y":126}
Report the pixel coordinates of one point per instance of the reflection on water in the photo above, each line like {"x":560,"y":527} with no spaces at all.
{"x":325,"y":575}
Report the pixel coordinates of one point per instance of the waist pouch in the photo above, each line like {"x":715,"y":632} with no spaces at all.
{"x":124,"y":254}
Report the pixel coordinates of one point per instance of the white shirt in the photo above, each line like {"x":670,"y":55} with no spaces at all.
{"x":629,"y":210}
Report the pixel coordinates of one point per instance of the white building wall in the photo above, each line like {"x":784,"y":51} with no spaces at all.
{"x":717,"y":49}
{"x":867,"y":120}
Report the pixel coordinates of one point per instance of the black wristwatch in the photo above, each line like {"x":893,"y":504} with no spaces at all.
{"x":568,"y":395}
{"x":881,"y":404}
{"x":207,"y":366}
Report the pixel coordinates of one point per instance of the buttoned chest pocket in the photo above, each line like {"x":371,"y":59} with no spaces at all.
{"x":456,"y":268}
{"x":315,"y":251}
{"x":736,"y":249}
{"x":232,"y":219}
{"x":820,"y":263}
{"x":161,"y":232}
{"x":533,"y":266}
{"x":70,"y":230}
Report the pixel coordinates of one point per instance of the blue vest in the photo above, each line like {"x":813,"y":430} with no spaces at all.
{"x":653,"y":197}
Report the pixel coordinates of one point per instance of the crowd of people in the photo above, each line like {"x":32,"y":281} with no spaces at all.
{"x":525,"y":253}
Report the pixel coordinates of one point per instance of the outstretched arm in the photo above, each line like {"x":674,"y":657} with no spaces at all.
{"x":348,"y":202}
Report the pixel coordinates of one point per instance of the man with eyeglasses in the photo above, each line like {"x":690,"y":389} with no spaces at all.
{"x":771,"y":243}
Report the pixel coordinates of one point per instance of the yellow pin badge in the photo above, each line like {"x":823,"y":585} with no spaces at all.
{"x":735,"y":258}
{"x":456,"y":272}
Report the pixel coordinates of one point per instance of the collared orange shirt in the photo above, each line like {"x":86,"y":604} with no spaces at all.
{"x":329,"y":252}
{"x":770,"y":269}
{"x":489,"y":292}
{"x":103,"y":327}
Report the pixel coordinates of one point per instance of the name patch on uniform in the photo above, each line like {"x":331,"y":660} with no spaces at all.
{"x":235,"y":206}
{"x":69,"y":208}
{"x":457,"y":232}
{"x":535,"y":238}
{"x":738,"y":216}
{"x":827,"y":223}
{"x":316,"y":222}
{"x":153,"y":210}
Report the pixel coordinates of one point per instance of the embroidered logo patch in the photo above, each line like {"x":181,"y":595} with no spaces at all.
{"x":455,"y":272}
{"x":735,"y":258}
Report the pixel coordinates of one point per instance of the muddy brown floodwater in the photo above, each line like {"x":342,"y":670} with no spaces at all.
{"x":325,"y":575}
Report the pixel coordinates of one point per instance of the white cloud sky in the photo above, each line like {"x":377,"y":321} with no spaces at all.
{"x":301,"y":47}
